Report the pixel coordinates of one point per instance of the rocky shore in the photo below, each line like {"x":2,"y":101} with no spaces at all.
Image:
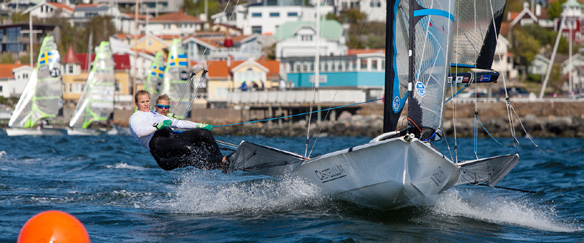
{"x":371,"y":126}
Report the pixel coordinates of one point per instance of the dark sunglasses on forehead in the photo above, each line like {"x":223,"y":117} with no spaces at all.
{"x":163,"y":106}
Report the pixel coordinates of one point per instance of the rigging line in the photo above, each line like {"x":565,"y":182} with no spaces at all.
{"x":527,"y":134}
{"x":493,"y":137}
{"x":457,"y":93}
{"x":340,"y":83}
{"x":227,"y":144}
{"x":301,"y":114}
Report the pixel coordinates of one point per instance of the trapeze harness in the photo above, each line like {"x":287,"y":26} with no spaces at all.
{"x":194,"y":147}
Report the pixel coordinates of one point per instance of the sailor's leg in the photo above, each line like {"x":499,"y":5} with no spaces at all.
{"x":202,"y":138}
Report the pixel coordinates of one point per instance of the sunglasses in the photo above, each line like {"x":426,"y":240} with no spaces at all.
{"x":163,"y":106}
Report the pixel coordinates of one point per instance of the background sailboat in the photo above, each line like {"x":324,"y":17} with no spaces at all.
{"x":41,"y":98}
{"x":94,"y":110}
{"x":153,"y":82}
{"x":176,"y":81}
{"x":397,"y":168}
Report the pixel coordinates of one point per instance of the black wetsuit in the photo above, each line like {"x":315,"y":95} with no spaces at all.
{"x":194,"y":147}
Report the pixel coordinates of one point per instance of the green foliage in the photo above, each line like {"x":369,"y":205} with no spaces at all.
{"x":525,"y":46}
{"x":555,"y":9}
{"x":195,"y":8}
{"x":6,"y":58}
{"x":372,"y":37}
{"x":534,"y":78}
{"x":19,"y":17}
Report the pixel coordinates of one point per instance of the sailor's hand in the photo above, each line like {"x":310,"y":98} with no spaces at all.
{"x":165,"y":123}
{"x":205,"y":126}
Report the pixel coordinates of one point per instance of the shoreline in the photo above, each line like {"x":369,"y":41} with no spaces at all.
{"x":540,"y":119}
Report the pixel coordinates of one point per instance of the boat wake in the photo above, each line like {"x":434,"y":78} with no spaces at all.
{"x":200,"y":193}
{"x":474,"y":204}
{"x":122,"y":165}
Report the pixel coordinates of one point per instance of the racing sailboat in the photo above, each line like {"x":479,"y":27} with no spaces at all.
{"x":94,"y":110}
{"x":176,"y":81}
{"x":401,"y":168}
{"x":41,"y":98}
{"x":154,"y":80}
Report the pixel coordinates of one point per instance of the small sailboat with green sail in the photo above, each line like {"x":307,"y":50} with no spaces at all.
{"x":41,"y":99}
{"x":153,"y":82}
{"x":94,"y":110}
{"x":176,"y":80}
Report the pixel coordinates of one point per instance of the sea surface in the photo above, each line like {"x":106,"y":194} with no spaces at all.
{"x":115,"y":188}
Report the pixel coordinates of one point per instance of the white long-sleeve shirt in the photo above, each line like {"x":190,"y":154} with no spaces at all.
{"x":143,"y":125}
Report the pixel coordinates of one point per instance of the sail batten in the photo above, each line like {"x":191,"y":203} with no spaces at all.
{"x":41,"y":97}
{"x":96,"y":103}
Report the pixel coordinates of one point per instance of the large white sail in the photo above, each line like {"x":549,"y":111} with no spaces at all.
{"x":176,"y":80}
{"x":96,"y":103}
{"x":41,"y":97}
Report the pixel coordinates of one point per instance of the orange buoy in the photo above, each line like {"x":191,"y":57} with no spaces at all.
{"x":53,"y":226}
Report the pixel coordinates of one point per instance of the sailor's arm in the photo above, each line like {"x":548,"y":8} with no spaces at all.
{"x":189,"y":124}
{"x":142,"y":124}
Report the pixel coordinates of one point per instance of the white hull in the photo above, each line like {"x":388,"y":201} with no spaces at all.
{"x":388,"y":174}
{"x":34,"y":131}
{"x":84,"y":132}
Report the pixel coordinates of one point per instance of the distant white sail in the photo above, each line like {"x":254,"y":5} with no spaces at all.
{"x":96,"y":103}
{"x":41,"y":97}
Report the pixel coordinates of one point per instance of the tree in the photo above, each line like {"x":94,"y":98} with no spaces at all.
{"x":525,"y":46}
{"x":6,"y":57}
{"x":195,"y":8}
{"x":101,"y":27}
{"x":18,"y":17}
{"x":555,"y":9}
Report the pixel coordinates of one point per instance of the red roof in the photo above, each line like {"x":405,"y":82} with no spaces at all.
{"x":122,"y":61}
{"x":175,"y":17}
{"x":6,"y":70}
{"x":70,"y":57}
{"x":62,"y":6}
{"x":218,"y":69}
{"x":353,"y":52}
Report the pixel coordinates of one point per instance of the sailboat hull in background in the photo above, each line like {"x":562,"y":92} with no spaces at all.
{"x":45,"y":131}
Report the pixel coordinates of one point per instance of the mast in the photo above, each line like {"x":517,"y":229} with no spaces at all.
{"x":390,"y":118}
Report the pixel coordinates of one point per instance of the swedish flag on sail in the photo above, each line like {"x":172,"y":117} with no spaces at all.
{"x":47,"y":57}
{"x":179,"y":60}
{"x":158,"y":71}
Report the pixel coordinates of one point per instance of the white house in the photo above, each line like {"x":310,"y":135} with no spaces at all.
{"x":175,"y":24}
{"x":45,"y":10}
{"x":503,"y":60}
{"x":297,"y":39}
{"x":374,"y":9}
{"x":265,"y":17}
{"x":13,"y":79}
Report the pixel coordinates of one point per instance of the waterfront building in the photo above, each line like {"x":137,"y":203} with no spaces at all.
{"x":13,"y":79}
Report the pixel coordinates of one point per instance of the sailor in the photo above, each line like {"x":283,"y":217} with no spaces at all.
{"x":195,"y":146}
{"x":162,"y":105}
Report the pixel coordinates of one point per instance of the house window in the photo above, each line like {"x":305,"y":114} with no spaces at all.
{"x":25,"y":75}
{"x":274,"y":14}
{"x":256,"y":29}
{"x":1,"y":88}
{"x":306,"y":37}
{"x":70,"y":88}
{"x":363,"y":64}
{"x":256,"y":15}
{"x":374,"y":65}
{"x":70,"y":69}
{"x":292,"y":14}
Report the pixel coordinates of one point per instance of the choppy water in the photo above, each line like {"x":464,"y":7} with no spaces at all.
{"x":115,"y":188}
